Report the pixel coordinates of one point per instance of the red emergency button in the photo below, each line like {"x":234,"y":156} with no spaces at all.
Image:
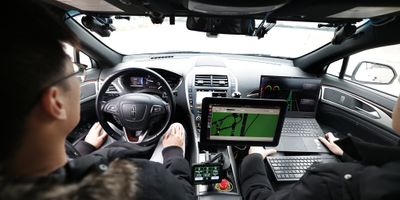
{"x":224,"y":184}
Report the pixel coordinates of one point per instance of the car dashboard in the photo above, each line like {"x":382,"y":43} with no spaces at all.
{"x":195,"y":76}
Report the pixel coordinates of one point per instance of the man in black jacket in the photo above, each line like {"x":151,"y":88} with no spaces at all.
{"x":43,"y":107}
{"x":376,"y":175}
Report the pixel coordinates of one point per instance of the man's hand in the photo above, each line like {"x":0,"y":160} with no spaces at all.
{"x":96,"y":135}
{"x":260,"y":150}
{"x":175,"y":136}
{"x":329,"y":142}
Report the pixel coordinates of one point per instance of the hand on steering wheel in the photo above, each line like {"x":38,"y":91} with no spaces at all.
{"x":142,"y":116}
{"x":96,"y":136}
{"x":175,"y":136}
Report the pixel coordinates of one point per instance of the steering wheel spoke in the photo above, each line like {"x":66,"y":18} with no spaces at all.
{"x":134,"y":136}
{"x":110,"y":107}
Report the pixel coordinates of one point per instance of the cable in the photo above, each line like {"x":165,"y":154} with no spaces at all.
{"x":261,"y":24}
{"x":242,"y":149}
{"x":261,"y":29}
{"x":219,"y":155}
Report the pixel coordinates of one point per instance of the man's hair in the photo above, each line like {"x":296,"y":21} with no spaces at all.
{"x":34,"y":56}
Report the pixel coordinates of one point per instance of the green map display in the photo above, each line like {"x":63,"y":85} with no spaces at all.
{"x":241,"y":124}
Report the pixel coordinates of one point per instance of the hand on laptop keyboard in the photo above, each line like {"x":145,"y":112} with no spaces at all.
{"x":262,"y":151}
{"x":329,"y":142}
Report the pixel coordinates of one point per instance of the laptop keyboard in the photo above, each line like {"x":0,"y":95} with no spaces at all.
{"x":301,"y":127}
{"x":292,"y":168}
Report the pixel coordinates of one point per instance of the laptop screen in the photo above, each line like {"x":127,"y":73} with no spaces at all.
{"x":300,"y":93}
{"x":242,"y":121}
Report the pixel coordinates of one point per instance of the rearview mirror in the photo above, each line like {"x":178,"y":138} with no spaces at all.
{"x":223,"y":25}
{"x":373,"y":73}
{"x":102,"y":25}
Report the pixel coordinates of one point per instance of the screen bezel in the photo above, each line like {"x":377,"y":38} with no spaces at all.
{"x":296,"y":113}
{"x":205,"y":133}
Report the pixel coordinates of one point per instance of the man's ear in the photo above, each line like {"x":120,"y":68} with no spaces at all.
{"x":53,"y":104}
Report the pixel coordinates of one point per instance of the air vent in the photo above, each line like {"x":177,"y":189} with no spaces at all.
{"x":211,"y":80}
{"x":219,"y":80}
{"x":202,"y":80}
{"x":160,"y":57}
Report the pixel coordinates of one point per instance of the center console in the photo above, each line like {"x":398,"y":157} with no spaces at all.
{"x":228,"y":186}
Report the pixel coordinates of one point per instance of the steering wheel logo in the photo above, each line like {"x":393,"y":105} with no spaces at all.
{"x":133,"y":112}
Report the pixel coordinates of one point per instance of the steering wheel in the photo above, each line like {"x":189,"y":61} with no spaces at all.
{"x":142,"y":115}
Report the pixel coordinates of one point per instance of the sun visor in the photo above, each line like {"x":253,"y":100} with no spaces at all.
{"x":362,"y":12}
{"x":233,"y":7}
{"x":92,"y":5}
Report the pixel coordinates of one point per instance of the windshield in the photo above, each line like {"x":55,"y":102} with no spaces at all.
{"x":139,"y":35}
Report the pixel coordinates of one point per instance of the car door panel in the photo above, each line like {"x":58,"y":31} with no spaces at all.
{"x":348,"y":108}
{"x":385,"y":101}
{"x":356,"y":105}
{"x":348,"y":123}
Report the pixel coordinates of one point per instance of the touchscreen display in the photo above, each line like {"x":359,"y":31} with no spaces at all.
{"x":241,"y":123}
{"x":231,"y":121}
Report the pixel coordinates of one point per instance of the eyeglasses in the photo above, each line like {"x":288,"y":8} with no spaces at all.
{"x":79,"y":69}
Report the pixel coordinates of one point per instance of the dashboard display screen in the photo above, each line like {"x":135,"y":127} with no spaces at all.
{"x":136,"y":81}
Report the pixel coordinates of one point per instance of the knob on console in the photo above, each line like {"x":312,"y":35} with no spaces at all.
{"x":236,"y":94}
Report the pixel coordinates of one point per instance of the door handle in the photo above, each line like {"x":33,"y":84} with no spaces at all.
{"x":372,"y":114}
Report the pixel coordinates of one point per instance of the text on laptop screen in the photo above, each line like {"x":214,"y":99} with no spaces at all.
{"x":235,"y":123}
{"x":301,"y":93}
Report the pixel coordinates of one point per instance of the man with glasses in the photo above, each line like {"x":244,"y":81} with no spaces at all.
{"x":42,"y":106}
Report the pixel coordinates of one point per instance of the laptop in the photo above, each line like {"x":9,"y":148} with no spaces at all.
{"x":300,"y":130}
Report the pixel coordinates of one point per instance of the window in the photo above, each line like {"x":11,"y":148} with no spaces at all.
{"x":377,"y":68}
{"x":83,"y":58}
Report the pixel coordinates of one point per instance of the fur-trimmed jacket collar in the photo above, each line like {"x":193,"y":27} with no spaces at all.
{"x":92,"y":177}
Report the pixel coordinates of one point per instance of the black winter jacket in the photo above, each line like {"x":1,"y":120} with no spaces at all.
{"x":376,"y":176}
{"x":110,"y":173}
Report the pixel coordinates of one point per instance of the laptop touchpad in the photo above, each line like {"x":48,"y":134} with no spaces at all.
{"x":314,"y":145}
{"x":291,"y":144}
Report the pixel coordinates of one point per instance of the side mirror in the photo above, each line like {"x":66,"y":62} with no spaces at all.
{"x":373,"y":73}
{"x":223,"y":25}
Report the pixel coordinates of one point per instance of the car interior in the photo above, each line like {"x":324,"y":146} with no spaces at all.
{"x":277,"y":73}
